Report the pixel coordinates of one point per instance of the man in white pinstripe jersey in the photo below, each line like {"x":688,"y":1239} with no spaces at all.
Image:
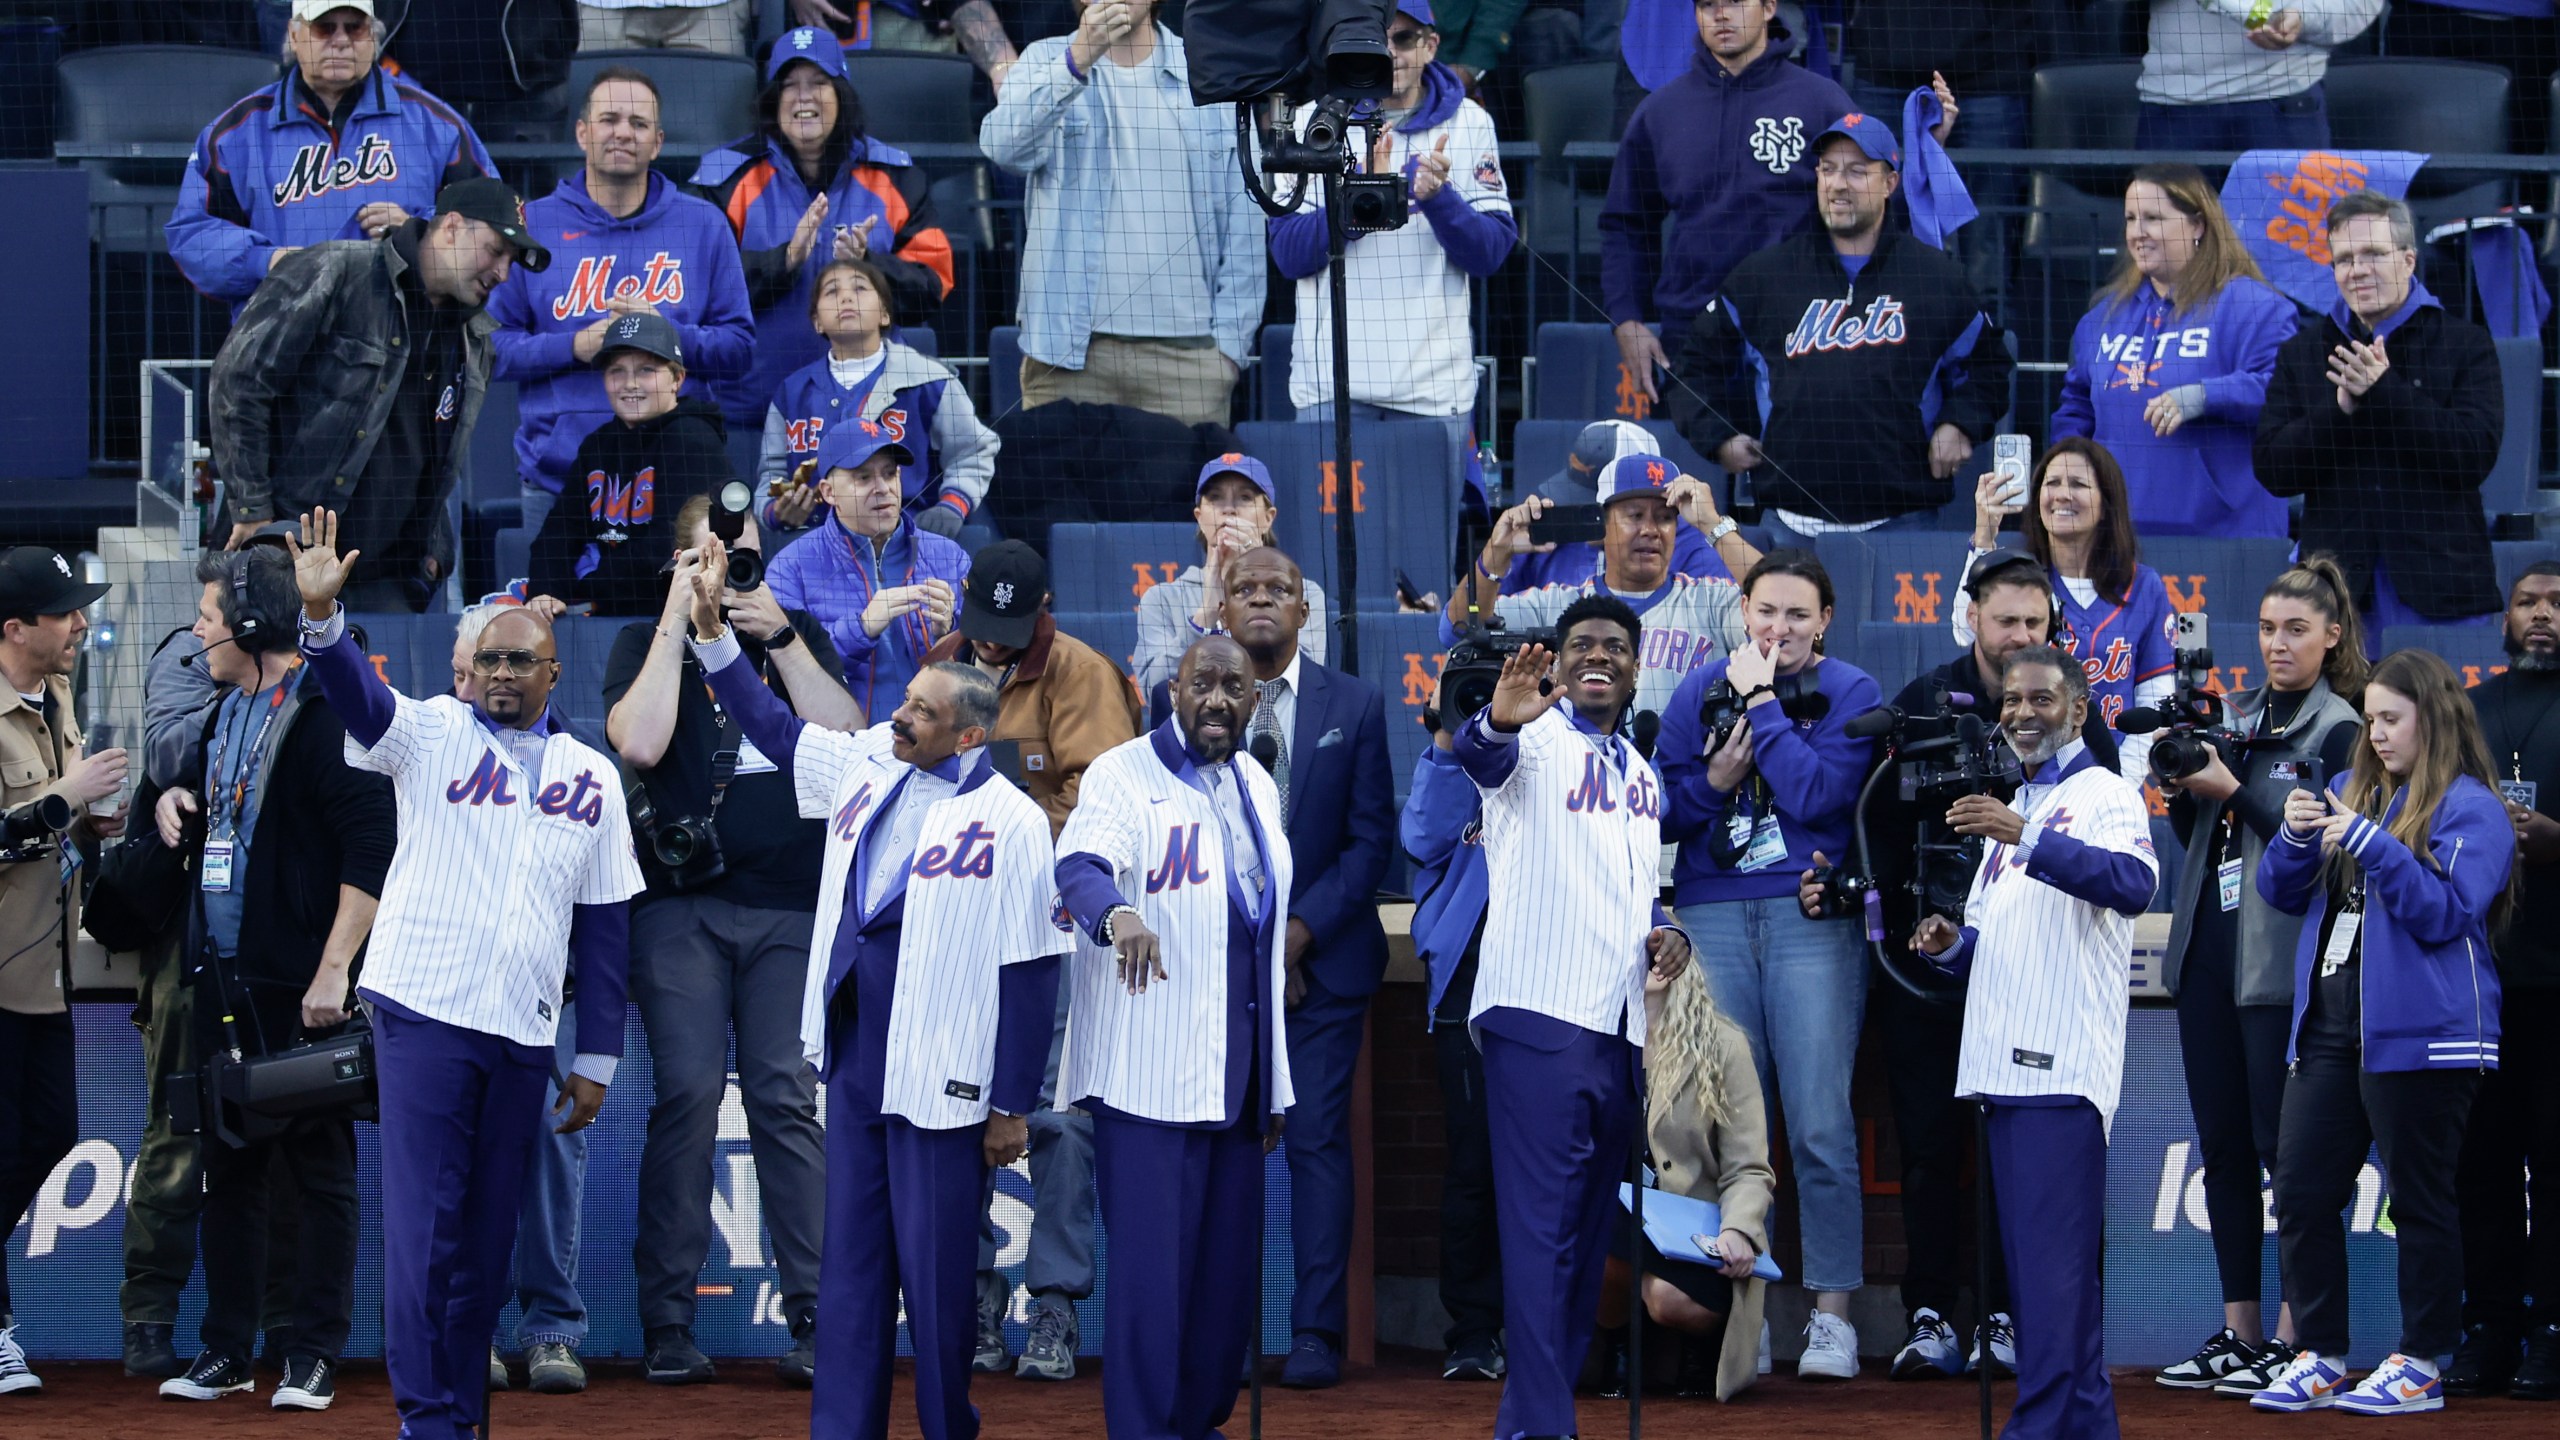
{"x":1572,"y":838}
{"x":515,"y":852}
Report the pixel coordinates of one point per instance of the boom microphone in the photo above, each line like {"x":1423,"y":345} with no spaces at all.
{"x":2142,"y":720}
{"x":191,"y":661}
{"x":1648,"y":729}
{"x":1877,"y":722}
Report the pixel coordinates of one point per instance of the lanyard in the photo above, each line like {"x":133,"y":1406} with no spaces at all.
{"x":2515,"y":754}
{"x":225,"y":816}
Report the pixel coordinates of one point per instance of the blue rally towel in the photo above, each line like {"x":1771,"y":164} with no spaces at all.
{"x":1659,"y":39}
{"x":1939,"y":202}
{"x":2279,"y":202}
{"x":2513,"y":300}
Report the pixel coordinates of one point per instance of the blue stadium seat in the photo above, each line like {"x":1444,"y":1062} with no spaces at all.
{"x":2476,"y":652}
{"x":586,"y":643}
{"x":1893,"y":654}
{"x":1271,"y":373}
{"x":2515,"y":555}
{"x":1539,"y":448}
{"x":1004,"y":372}
{"x":1404,"y":492}
{"x":1094,"y":568}
{"x":1903,"y":578}
{"x":1580,"y":377}
{"x":1113,"y":632}
{"x":2514,"y":486}
{"x":514,"y":551}
{"x":1401,"y":655}
{"x":2229,"y":576}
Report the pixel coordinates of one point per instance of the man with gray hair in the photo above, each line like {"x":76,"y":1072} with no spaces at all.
{"x":2386,"y":418}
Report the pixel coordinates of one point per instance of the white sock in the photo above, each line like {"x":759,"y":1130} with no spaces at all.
{"x":2424,"y":1366}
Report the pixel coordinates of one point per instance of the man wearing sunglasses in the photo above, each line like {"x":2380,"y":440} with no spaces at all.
{"x":515,"y":854}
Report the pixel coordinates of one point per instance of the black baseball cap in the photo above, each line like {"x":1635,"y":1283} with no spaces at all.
{"x":36,"y":580}
{"x":649,"y":334}
{"x":1008,"y":584}
{"x":492,"y":204}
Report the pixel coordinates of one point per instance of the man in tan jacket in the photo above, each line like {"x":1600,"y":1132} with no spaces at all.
{"x":1061,"y":703}
{"x":40,"y":756}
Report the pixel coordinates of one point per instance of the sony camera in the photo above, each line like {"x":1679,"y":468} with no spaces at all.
{"x":1474,"y":667}
{"x":678,"y":853}
{"x":31,"y":831}
{"x":2189,"y":727}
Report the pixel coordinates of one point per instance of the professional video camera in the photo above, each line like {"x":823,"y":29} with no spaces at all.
{"x":32,"y":831}
{"x":2190,"y":726}
{"x":1940,"y":754}
{"x":1475,"y":663}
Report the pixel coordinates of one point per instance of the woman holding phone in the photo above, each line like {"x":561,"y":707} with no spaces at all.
{"x":2401,"y":870}
{"x":2230,"y":956}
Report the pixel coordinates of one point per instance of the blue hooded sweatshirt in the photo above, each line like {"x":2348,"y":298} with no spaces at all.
{"x":1730,"y":159}
{"x":1450,"y":881}
{"x":2126,"y":353}
{"x":1801,"y":793}
{"x":675,"y":251}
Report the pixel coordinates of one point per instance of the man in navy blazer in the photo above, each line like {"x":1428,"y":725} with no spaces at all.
{"x":1326,"y":735}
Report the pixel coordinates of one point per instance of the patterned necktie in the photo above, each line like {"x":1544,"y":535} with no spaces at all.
{"x":1266,"y":721}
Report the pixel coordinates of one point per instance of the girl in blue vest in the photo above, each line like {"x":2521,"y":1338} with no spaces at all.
{"x":865,"y":375}
{"x":807,"y":188}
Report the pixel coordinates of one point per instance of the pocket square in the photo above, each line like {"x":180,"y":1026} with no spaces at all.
{"x":1331,"y":737}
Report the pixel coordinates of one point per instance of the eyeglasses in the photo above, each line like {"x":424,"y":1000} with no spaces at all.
{"x":489,"y":663}
{"x":328,"y":29}
{"x":2353,"y":259}
{"x":1407,"y":39}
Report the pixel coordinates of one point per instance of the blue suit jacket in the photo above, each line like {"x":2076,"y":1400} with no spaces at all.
{"x":1341,"y":822}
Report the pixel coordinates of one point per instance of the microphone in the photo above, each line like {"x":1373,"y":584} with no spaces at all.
{"x":1648,"y":729}
{"x":1879,"y":721}
{"x":2142,"y":720}
{"x":1265,"y":750}
{"x":190,"y":661}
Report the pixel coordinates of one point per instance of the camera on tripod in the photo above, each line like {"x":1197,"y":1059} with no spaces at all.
{"x":2189,"y":726}
{"x":32,"y":831}
{"x":1474,"y":666}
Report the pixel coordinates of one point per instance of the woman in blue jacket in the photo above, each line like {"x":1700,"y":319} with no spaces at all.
{"x":2169,"y":368}
{"x":1748,"y":806}
{"x":2400,"y":873}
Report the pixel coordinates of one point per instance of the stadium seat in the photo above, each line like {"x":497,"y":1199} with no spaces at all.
{"x":2442,"y":107}
{"x":585,"y":644}
{"x":1095,"y":568}
{"x":912,"y":99}
{"x":409,"y":660}
{"x":2514,"y":486}
{"x":705,"y":100}
{"x":2227,"y":577}
{"x":513,"y":550}
{"x":1539,"y":448}
{"x":1401,"y":655}
{"x":1565,"y":104}
{"x":1894,"y":577}
{"x":1893,"y":654}
{"x":1113,"y":632}
{"x":1404,"y":492}
{"x":2475,"y":652}
{"x":1004,"y":372}
{"x":2106,"y":30}
{"x":2075,"y":220}
{"x":1581,"y":378}
{"x":145,"y":94}
{"x":1272,"y":355}
{"x":2515,"y":555}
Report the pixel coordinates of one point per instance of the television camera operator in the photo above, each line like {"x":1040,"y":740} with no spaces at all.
{"x":1919,"y":866}
{"x":291,"y":846}
{"x":722,"y":939}
{"x":41,"y":763}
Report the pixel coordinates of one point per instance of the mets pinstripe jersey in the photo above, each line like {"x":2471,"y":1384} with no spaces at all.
{"x":1162,"y":1054}
{"x":2044,"y":1008}
{"x":495,"y":852}
{"x":979,"y":897}
{"x":1572,"y":842}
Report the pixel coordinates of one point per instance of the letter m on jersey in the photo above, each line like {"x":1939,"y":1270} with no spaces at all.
{"x":1181,"y":864}
{"x":1595,"y":794}
{"x":485,"y":785}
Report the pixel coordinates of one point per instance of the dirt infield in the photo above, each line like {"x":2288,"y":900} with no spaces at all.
{"x":1401,"y":1399}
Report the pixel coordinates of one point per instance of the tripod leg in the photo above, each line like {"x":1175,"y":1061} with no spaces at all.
{"x":1982,"y":1243}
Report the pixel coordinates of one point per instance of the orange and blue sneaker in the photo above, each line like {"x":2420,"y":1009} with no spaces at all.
{"x":2309,"y":1383}
{"x":2396,"y":1387}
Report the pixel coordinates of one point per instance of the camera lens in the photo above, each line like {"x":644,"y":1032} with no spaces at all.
{"x":673,"y":845}
{"x":2176,"y":756}
{"x":746,"y":569}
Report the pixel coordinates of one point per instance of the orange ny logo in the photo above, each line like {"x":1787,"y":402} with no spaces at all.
{"x":1915,"y":607}
{"x":382,"y":668}
{"x":1359,"y":488}
{"x":2187,"y":601}
{"x":1633,"y":403}
{"x":2472,"y":676}
{"x":1419,"y":682}
{"x":1151,"y":575}
{"x":2237,"y":679}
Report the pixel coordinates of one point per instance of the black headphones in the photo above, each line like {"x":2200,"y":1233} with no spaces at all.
{"x":254,"y":633}
{"x":2001,"y":566}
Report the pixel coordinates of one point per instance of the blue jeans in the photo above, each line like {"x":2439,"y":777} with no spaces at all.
{"x":1798,"y":989}
{"x":2296,"y":122}
{"x":547,"y":1231}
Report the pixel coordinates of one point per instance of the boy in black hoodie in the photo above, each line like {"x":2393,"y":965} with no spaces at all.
{"x":636,"y":470}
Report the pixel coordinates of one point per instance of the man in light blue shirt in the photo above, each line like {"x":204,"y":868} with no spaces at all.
{"x":1143,"y":273}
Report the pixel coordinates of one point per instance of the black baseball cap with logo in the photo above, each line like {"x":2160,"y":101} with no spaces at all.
{"x":492,"y":204}
{"x":647,"y":333}
{"x":1008,"y":584}
{"x":36,"y":580}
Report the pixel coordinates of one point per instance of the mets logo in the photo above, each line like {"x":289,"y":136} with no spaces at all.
{"x":803,"y":38}
{"x":448,"y":402}
{"x":1004,"y":594}
{"x":1489,"y":174}
{"x":1829,"y":325}
{"x":1058,"y":915}
{"x":1778,"y":144}
{"x":317,"y":169}
{"x":661,"y":282}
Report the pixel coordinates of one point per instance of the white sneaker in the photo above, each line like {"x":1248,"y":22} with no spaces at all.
{"x":1830,"y":1349}
{"x":14,"y":1374}
{"x":1766,"y":1364}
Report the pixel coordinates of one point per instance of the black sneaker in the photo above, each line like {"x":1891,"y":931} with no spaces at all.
{"x":149,"y":1352}
{"x":2538,"y":1378}
{"x":1612,"y":1348}
{"x":1475,"y":1359}
{"x":210,"y":1378}
{"x":798,"y":1366}
{"x":2264,"y":1364}
{"x":671,"y":1358}
{"x":2217,"y":1357}
{"x":310,"y":1383}
{"x":1696,"y":1377}
{"x":2485,"y":1362}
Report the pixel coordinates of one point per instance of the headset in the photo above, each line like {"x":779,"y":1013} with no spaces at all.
{"x":2001,"y":566}
{"x":254,"y":632}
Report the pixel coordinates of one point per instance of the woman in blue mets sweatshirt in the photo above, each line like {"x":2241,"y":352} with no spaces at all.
{"x":2400,"y":872}
{"x":2169,"y":368}
{"x":1749,"y":807}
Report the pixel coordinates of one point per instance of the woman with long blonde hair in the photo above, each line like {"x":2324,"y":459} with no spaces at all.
{"x":2401,"y":870}
{"x":1709,"y":1136}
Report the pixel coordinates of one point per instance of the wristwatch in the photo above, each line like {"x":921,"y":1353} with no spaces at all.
{"x":1724,"y":527}
{"x":782,"y":639}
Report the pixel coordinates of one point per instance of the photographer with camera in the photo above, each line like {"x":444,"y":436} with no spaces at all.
{"x":1758,"y":773}
{"x":1688,"y":619}
{"x":291,"y":848}
{"x":721,"y":943}
{"x":46,"y":787}
{"x":2230,"y":952}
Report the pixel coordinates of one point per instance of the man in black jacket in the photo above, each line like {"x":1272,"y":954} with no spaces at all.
{"x":1880,"y":367}
{"x":292,"y":846}
{"x":2386,"y":419}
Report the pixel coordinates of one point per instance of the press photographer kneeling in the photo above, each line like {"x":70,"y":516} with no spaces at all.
{"x":291,"y":846}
